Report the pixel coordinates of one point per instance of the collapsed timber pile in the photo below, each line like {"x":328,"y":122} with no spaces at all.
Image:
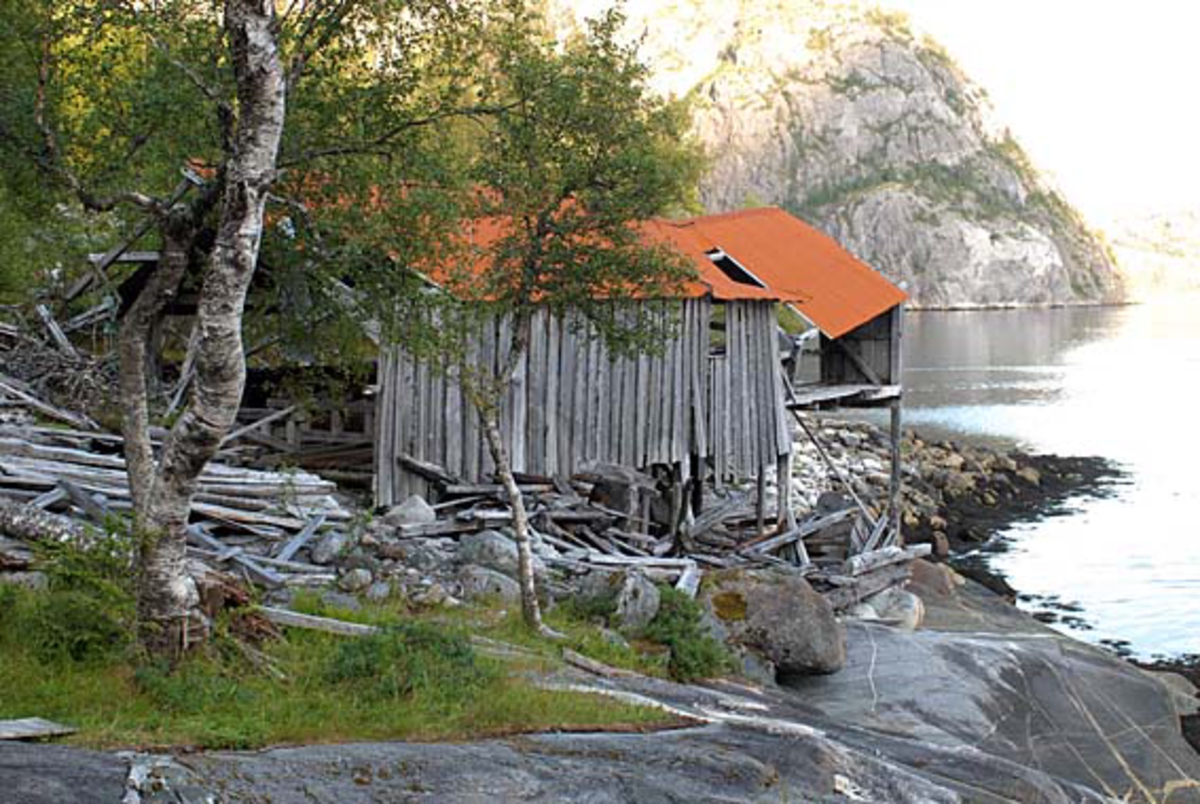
{"x":611,"y":519}
{"x":252,"y":522}
{"x":286,"y":528}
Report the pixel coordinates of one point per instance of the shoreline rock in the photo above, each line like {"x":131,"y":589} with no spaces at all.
{"x":955,"y":495}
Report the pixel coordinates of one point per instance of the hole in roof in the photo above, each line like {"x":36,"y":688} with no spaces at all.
{"x":733,"y":269}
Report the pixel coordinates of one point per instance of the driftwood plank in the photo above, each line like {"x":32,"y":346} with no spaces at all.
{"x":689,"y":581}
{"x":294,"y":619}
{"x":427,"y":469}
{"x":260,"y":574}
{"x":14,"y":389}
{"x":33,"y":728}
{"x":302,"y":538}
{"x":60,"y":338}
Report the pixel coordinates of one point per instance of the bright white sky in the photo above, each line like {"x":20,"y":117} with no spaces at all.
{"x":1102,"y":93}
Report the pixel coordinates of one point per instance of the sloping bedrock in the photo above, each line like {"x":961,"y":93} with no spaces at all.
{"x":996,"y":690}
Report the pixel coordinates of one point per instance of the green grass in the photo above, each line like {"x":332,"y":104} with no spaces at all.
{"x":416,"y":681}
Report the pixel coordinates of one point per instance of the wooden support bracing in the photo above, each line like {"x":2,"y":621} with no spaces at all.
{"x":895,"y":479}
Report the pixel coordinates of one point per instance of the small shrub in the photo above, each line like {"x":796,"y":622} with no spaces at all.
{"x":70,"y":625}
{"x":102,"y":572}
{"x":408,"y":659}
{"x":694,"y":653}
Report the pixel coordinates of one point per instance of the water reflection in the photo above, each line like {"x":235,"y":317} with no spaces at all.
{"x":1117,"y":382}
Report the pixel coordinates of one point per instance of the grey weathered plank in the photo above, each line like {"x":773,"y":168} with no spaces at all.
{"x":553,"y":346}
{"x":295,"y":619}
{"x":536,"y":395}
{"x":33,"y":728}
{"x":564,"y":404}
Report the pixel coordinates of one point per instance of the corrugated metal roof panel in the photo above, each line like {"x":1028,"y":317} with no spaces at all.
{"x":797,"y":263}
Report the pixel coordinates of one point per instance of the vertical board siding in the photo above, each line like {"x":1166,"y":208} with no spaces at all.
{"x":745,"y":420}
{"x":571,"y":402}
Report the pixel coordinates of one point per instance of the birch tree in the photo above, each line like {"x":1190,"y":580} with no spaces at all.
{"x":579,"y":151}
{"x":179,"y":119}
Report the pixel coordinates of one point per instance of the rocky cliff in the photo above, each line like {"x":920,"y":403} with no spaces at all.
{"x":1159,"y":253}
{"x":845,"y":117}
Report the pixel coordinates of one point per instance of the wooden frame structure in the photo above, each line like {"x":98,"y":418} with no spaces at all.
{"x":572,"y":404}
{"x":705,"y":407}
{"x":861,"y":368}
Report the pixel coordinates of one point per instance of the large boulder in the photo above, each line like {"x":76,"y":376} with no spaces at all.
{"x":496,"y":551}
{"x":637,"y":601}
{"x":776,"y":617}
{"x":413,"y":511}
{"x":330,"y":546}
{"x":483,"y":584}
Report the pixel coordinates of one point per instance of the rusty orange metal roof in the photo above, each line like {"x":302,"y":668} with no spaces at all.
{"x":796,"y":263}
{"x":792,"y":261}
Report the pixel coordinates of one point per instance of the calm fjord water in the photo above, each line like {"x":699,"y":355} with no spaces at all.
{"x":1122,"y":383}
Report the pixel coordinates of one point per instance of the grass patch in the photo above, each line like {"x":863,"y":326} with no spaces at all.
{"x":584,"y":630}
{"x":413,"y":681}
{"x":675,"y":645}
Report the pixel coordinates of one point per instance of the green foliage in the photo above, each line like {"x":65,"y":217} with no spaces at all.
{"x":819,"y":40}
{"x":852,"y":85}
{"x":87,"y":612}
{"x":408,"y":658}
{"x":678,"y":625}
{"x":63,"y":626}
{"x":9,"y":594}
{"x":577,"y":151}
{"x":320,"y":687}
{"x":895,"y":24}
{"x":102,"y":570}
{"x":592,"y":607}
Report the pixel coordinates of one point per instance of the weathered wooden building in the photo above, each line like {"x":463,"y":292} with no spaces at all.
{"x":713,"y":403}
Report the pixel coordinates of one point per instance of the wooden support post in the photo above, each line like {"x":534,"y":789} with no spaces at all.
{"x":833,"y":468}
{"x":760,"y":503}
{"x":56,"y":332}
{"x":675,"y":499}
{"x":786,"y":519}
{"x":894,"y":482}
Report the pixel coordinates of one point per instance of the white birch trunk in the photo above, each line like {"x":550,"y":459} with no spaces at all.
{"x":166,"y":595}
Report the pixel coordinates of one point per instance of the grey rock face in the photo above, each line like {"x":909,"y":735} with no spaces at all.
{"x":413,"y":511}
{"x":637,"y":601}
{"x":53,"y":774}
{"x":494,"y":550}
{"x":330,"y":546}
{"x":898,"y":607}
{"x":355,"y":580}
{"x":777,"y":617}
{"x":481,"y":583}
{"x":379,"y":591}
{"x":847,"y":119}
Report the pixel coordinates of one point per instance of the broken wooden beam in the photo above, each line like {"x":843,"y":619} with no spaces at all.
{"x":16,"y":390}
{"x":430,"y":471}
{"x":886,"y":556}
{"x":24,"y":522}
{"x":763,"y":545}
{"x":56,"y":333}
{"x":33,"y":728}
{"x":302,"y":538}
{"x":311,"y":622}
